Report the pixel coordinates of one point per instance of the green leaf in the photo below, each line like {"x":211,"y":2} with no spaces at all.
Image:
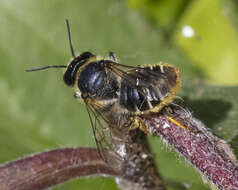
{"x":38,"y":111}
{"x":206,"y":31}
{"x":162,"y":12}
{"x":214,"y":44}
{"x":216,"y":106}
{"x":230,"y":8}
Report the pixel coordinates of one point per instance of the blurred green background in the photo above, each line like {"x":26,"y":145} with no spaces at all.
{"x":38,"y":111}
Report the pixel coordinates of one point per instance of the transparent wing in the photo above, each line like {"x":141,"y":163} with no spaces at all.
{"x":142,"y":77}
{"x":102,"y":130}
{"x":157,"y":84}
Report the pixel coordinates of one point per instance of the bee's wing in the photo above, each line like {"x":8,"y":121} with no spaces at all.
{"x":147,"y":75}
{"x":101,"y":130}
{"x":154,"y":85}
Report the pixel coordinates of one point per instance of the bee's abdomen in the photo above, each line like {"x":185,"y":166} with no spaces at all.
{"x":134,"y":100}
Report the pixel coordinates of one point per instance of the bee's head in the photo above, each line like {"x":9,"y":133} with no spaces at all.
{"x":91,"y":77}
{"x":75,"y":64}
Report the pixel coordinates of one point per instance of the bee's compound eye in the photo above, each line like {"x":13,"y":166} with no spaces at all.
{"x":70,"y":73}
{"x":76,"y":63}
{"x":69,"y":77}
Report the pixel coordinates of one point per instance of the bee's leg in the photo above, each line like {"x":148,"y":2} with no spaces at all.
{"x":168,"y":112}
{"x":138,"y":123}
{"x":112,"y":56}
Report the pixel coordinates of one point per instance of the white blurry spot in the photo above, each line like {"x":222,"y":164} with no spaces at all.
{"x":121,"y":150}
{"x":137,"y":82}
{"x":188,"y":31}
{"x":162,"y":68}
{"x":144,"y":156}
{"x":187,"y":185}
{"x":166,"y":125}
{"x":117,"y":180}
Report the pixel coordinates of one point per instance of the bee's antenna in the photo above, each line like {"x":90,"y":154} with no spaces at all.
{"x":57,"y":66}
{"x":69,"y":38}
{"x":46,"y":67}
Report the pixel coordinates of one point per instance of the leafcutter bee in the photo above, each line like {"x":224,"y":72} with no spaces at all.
{"x":117,"y":95}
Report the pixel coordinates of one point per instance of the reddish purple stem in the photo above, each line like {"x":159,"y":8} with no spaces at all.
{"x":50,"y":168}
{"x":198,"y":146}
{"x":210,"y":155}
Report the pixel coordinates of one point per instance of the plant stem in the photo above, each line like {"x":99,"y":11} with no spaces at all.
{"x":47,"y":169}
{"x":139,"y":171}
{"x":191,"y":139}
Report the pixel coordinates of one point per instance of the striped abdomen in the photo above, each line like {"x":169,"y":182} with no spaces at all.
{"x":153,"y":88}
